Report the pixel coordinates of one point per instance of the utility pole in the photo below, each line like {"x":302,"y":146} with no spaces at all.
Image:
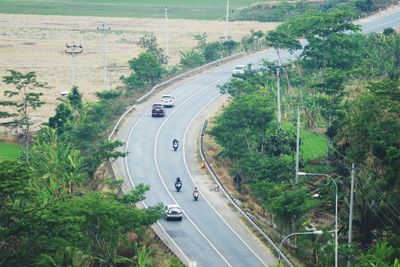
{"x":73,"y":50}
{"x":227,"y":21}
{"x":166,"y":10}
{"x":103,"y":29}
{"x":278,"y":95}
{"x":351,"y":208}
{"x":297,"y":145}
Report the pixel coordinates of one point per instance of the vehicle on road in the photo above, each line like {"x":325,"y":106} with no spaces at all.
{"x":178,"y":184}
{"x":239,"y":71}
{"x":173,"y":212}
{"x":168,"y":101}
{"x":175,"y":144}
{"x":157,"y":110}
{"x":196,"y":194}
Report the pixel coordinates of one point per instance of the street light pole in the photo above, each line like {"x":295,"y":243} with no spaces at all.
{"x":315,"y":232}
{"x":336,"y":208}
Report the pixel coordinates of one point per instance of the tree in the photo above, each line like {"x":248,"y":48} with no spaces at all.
{"x":254,"y":41}
{"x":228,"y":47}
{"x":149,"y":42}
{"x":106,"y":221}
{"x":23,"y":99}
{"x":29,"y":226}
{"x":324,"y":33}
{"x":104,"y":150}
{"x":282,"y":39}
{"x":368,"y":136}
{"x":241,"y":127}
{"x":329,"y":86}
{"x":57,"y":164}
{"x":62,"y":119}
{"x":290,"y":203}
{"x":212,"y":51}
{"x":201,"y":39}
{"x":75,"y":98}
{"x":146,"y":70}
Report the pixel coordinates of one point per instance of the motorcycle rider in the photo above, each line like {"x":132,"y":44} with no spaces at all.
{"x":196,"y":193}
{"x":175,"y":144}
{"x":177,"y":181}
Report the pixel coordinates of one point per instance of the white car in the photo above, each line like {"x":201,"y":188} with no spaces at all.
{"x":168,"y":101}
{"x":239,"y":70}
{"x":173,"y":212}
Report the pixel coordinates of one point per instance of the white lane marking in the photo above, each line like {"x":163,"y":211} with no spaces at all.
{"x":145,"y":112}
{"x":163,"y":181}
{"x":133,"y":185}
{"x":191,"y":177}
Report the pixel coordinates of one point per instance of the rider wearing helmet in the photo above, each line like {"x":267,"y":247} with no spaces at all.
{"x":178,"y":180}
{"x":175,"y":141}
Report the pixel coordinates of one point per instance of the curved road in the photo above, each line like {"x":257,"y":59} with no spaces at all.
{"x":206,"y":234}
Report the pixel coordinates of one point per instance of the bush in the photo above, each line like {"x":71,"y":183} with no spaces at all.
{"x":192,"y":58}
{"x":212,"y":51}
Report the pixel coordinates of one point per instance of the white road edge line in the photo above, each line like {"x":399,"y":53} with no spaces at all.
{"x":191,"y":177}
{"x":161,"y":177}
{"x":127,"y":146}
{"x":133,"y":185}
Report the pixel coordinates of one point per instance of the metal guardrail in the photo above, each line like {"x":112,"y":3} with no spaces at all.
{"x":188,"y":74}
{"x":157,"y":228}
{"x":233,"y":201}
{"x":171,"y":81}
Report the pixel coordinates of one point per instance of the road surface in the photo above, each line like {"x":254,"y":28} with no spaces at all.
{"x":210,"y":234}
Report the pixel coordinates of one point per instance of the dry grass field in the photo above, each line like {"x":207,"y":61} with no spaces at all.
{"x":37,"y":43}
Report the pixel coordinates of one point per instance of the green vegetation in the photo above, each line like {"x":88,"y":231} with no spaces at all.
{"x":9,"y":151}
{"x":281,"y":10}
{"x":49,"y":214}
{"x":313,"y":145}
{"x":182,"y":9}
{"x":23,"y":99}
{"x":350,"y":92}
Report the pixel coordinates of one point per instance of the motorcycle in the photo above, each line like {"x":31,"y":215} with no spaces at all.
{"x":175,"y":145}
{"x":196,"y":195}
{"x":178,"y":186}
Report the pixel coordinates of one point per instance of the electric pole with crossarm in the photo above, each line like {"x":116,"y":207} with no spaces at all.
{"x":73,"y":50}
{"x":103,"y":29}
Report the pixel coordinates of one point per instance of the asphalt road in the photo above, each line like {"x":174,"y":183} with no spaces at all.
{"x":205,"y":235}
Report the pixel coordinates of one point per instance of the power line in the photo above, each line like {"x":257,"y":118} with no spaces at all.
{"x":377,"y":195}
{"x":370,"y":203}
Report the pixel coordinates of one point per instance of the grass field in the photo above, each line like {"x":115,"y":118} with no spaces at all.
{"x":313,"y":145}
{"x":182,"y":9}
{"x":9,"y":151}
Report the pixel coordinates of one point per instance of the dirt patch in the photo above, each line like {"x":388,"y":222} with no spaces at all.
{"x":37,"y":43}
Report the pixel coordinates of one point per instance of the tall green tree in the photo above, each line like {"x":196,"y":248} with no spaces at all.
{"x":328,"y":44}
{"x":241,"y":127}
{"x":24,"y":98}
{"x":146,"y":70}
